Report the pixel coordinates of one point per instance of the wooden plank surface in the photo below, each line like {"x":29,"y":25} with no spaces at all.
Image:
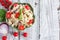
{"x":49,"y":19}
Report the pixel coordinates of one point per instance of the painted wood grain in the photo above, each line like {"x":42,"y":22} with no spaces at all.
{"x":49,"y":20}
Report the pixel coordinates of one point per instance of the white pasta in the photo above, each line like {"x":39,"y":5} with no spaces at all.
{"x":14,"y":8}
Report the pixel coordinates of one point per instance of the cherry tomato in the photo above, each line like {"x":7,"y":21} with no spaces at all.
{"x":30,"y":22}
{"x":15,"y":34}
{"x":21,"y":27}
{"x":8,"y":15}
{"x":27,"y":7}
{"x":8,"y":3}
{"x":3,"y":4}
{"x":25,"y":34}
{"x":6,"y":6}
{"x":4,"y":37}
{"x":7,"y":0}
{"x":1,"y":0}
{"x":15,"y":4}
{"x":17,"y":15}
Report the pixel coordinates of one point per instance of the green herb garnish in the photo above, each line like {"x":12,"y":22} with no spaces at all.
{"x":20,"y":17}
{"x":2,"y":15}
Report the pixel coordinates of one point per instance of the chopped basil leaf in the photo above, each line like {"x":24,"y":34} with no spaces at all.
{"x":20,"y":17}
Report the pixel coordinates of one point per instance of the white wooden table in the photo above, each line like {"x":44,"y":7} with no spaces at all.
{"x":49,"y":21}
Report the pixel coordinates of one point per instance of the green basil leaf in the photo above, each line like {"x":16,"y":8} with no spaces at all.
{"x":2,"y":15}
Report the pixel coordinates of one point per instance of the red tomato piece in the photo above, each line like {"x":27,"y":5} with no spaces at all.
{"x":4,"y":37}
{"x":21,"y":27}
{"x":17,"y":15}
{"x":15,"y":4}
{"x":25,"y":34}
{"x":15,"y":34}
{"x":27,"y":7}
{"x":30,"y":22}
{"x":8,"y":15}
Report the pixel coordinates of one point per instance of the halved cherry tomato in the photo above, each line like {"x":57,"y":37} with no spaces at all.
{"x":27,"y":7}
{"x":4,"y":37}
{"x":25,"y":34}
{"x":21,"y":27}
{"x":17,"y":15}
{"x":8,"y":15}
{"x":15,"y":4}
{"x":15,"y":34}
{"x":30,"y":21}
